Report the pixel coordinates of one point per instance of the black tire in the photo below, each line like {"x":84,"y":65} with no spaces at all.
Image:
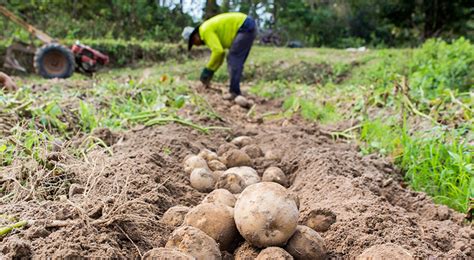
{"x":54,"y":61}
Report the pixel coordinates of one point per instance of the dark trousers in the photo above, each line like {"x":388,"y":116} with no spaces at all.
{"x":238,"y":53}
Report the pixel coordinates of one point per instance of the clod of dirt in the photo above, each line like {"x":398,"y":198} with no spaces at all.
{"x":225,"y":148}
{"x":385,"y":251}
{"x":75,"y":189}
{"x":253,"y":151}
{"x":174,"y":216}
{"x":236,"y":158}
{"x":320,"y":219}
{"x":195,"y":242}
{"x":242,"y":141}
{"x":166,"y":253}
{"x":306,"y":244}
{"x":192,"y":162}
{"x":208,"y":155}
{"x":248,"y":174}
{"x":216,"y":220}
{"x":231,"y":182}
{"x":266,"y":215}
{"x":216,"y":165}
{"x":245,"y":252}
{"x":273,"y":155}
{"x":202,"y":180}
{"x":221,"y":196}
{"x":274,"y":253}
{"x":243,"y":102}
{"x":275,"y":174}
{"x":15,"y":248}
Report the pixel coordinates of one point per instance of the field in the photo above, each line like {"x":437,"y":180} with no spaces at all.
{"x":378,"y":143}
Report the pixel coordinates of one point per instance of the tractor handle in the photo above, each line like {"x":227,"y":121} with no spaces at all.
{"x":42,"y":36}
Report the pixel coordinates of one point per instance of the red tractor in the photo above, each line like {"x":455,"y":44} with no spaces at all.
{"x":53,"y":60}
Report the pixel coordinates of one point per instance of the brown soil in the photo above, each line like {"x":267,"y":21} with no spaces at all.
{"x":115,"y":205}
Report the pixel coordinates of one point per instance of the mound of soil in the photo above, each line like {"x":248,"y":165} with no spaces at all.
{"x":114,"y":202}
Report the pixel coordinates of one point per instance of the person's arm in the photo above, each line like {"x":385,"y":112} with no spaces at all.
{"x":218,"y":53}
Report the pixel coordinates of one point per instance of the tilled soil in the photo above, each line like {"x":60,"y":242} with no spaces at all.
{"x":114,"y":202}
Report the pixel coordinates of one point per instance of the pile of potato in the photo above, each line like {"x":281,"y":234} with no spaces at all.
{"x":251,"y":216}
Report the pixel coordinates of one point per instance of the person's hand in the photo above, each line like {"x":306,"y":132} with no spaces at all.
{"x":206,"y":76}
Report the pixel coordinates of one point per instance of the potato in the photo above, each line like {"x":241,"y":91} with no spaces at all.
{"x":253,"y":151}
{"x":242,"y":101}
{"x":246,"y":252}
{"x":242,"y":141}
{"x":236,"y":158}
{"x":385,"y":251}
{"x":174,"y":216}
{"x":248,"y":174}
{"x":275,"y":174}
{"x":306,"y":244}
{"x":216,"y":165}
{"x":225,"y":148}
{"x":231,"y":182}
{"x":195,"y":242}
{"x":274,"y":253}
{"x":162,"y":253}
{"x":216,"y":220}
{"x":217,"y":174}
{"x":192,"y":162}
{"x":207,"y":155}
{"x":266,"y":215}
{"x":202,"y":180}
{"x":222,"y":196}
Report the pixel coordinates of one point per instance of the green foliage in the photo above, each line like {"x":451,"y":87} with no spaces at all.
{"x":439,"y":65}
{"x":440,"y":164}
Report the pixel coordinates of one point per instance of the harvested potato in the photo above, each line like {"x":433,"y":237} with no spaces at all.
{"x":306,"y":244}
{"x":208,"y":155}
{"x":162,"y":253}
{"x":275,"y":174}
{"x":266,"y":215}
{"x":231,"y":182}
{"x":192,"y":162}
{"x":253,"y":151}
{"x":225,"y":148}
{"x":216,"y":165}
{"x":243,"y":102}
{"x":195,"y":242}
{"x":174,"y":216}
{"x":245,"y":252}
{"x":248,"y":174}
{"x":236,"y":158}
{"x":216,"y":220}
{"x":217,"y":174}
{"x":385,"y":251}
{"x":202,"y":180}
{"x":242,"y":141}
{"x":222,"y":196}
{"x":274,"y":253}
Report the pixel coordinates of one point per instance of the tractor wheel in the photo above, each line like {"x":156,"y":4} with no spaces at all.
{"x":54,"y":61}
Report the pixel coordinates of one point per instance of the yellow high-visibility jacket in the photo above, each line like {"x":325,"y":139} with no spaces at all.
{"x":218,"y":33}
